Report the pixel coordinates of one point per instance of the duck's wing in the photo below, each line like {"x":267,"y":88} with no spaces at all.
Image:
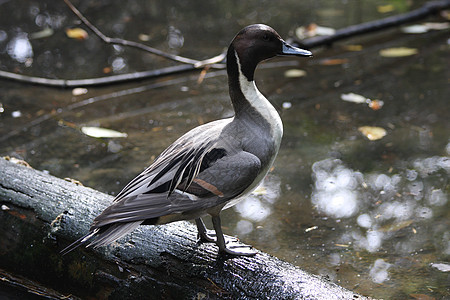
{"x":191,"y":176}
{"x":220,"y":177}
{"x":215,"y":183}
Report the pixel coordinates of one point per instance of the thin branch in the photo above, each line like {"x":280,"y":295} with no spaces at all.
{"x":58,"y":113}
{"x":103,"y":80}
{"x":427,"y":9}
{"x":123,"y":42}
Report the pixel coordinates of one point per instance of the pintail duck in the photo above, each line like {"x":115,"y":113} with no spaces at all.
{"x":211,"y":167}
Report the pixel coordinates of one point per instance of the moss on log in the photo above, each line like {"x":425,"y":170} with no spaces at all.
{"x":40,"y":214}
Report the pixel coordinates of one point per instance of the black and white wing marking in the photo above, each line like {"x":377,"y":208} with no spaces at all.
{"x":224,"y":179}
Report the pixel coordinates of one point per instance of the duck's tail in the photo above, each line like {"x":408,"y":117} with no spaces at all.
{"x":102,"y":236}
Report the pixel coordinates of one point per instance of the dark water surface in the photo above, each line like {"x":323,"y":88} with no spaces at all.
{"x":372,"y":216}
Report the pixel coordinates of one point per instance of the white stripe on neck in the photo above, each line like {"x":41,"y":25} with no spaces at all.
{"x":260,"y":104}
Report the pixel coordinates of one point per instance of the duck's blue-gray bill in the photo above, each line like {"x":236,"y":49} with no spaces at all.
{"x":291,"y":50}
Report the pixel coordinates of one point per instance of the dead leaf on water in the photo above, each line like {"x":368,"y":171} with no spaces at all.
{"x":414,"y":29}
{"x":425,"y":27}
{"x":395,"y":226}
{"x":156,"y":129}
{"x":372,"y":133}
{"x":313,"y":30}
{"x":334,"y":61}
{"x":144,"y":37}
{"x":422,"y":297}
{"x":353,"y":47}
{"x":77,"y":33}
{"x":286,"y":105}
{"x":311,"y":228}
{"x":79,"y":91}
{"x":385,"y":8}
{"x":441,"y":267}
{"x":376,"y":104}
{"x":398,"y":52}
{"x":329,"y":12}
{"x":355,"y":98}
{"x":66,"y":123}
{"x":42,"y":34}
{"x":99,"y":132}
{"x":294,"y":73}
{"x":260,"y":190}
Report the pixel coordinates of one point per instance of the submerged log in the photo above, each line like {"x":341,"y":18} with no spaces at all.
{"x":40,"y":214}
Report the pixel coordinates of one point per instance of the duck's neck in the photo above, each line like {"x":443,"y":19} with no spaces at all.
{"x":245,"y":96}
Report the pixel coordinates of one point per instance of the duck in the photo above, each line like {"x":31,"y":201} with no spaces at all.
{"x":211,"y":167}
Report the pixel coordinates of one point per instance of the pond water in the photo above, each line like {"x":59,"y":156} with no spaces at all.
{"x":370,"y":215}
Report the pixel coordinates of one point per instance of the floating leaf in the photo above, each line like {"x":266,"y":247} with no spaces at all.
{"x":396,"y":226}
{"x":385,"y":8}
{"x":311,"y":228}
{"x":16,"y":114}
{"x":41,"y":34}
{"x":329,"y":12}
{"x":422,"y":297}
{"x":79,"y":91}
{"x":398,"y":52}
{"x":99,"y":132}
{"x":66,"y":123}
{"x":321,"y":30}
{"x":425,"y":27}
{"x":294,"y":73}
{"x":77,"y":33}
{"x":260,"y":190}
{"x":416,"y":29}
{"x":286,"y":105}
{"x":442,"y":267}
{"x":355,"y":98}
{"x":437,"y":26}
{"x":313,"y":30}
{"x":372,"y":133}
{"x":352,"y":97}
{"x":376,"y":104}
{"x":333,"y":62}
{"x":353,"y":47}
{"x":144,"y":37}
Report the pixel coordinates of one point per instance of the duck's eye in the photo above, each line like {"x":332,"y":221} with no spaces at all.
{"x":266,"y":37}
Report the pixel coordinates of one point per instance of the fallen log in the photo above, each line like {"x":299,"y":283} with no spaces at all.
{"x":40,"y":214}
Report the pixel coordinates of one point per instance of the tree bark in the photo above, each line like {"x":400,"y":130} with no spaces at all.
{"x":40,"y":214}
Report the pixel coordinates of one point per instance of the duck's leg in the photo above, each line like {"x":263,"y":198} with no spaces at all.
{"x":230,"y":245}
{"x":204,"y":234}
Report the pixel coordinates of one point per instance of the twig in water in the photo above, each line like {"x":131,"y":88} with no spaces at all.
{"x":118,"y":41}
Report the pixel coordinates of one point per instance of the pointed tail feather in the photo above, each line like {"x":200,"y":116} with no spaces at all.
{"x":82,"y":240}
{"x":102,"y":236}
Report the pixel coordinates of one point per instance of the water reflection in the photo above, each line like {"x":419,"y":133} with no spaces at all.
{"x":19,"y":48}
{"x":175,"y":39}
{"x":3,"y":36}
{"x":379,"y":271}
{"x":335,"y":192}
{"x":370,"y":212}
{"x":258,"y":205}
{"x":382,"y":204}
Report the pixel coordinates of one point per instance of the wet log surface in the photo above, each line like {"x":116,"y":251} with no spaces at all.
{"x":40,"y":214}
